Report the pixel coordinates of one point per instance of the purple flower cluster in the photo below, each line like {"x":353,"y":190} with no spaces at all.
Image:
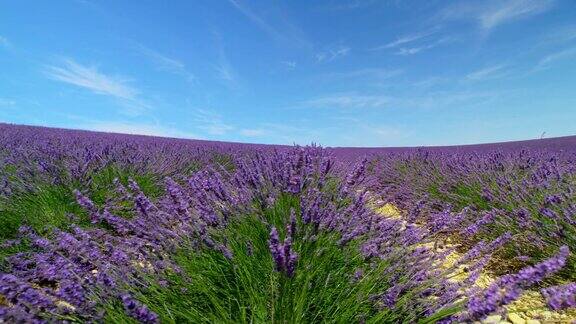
{"x":83,"y":268}
{"x":560,"y":297}
{"x":475,"y":228}
{"x":56,"y":156}
{"x":284,"y":256}
{"x":509,"y":287}
{"x":138,"y":311}
{"x":471,"y":195}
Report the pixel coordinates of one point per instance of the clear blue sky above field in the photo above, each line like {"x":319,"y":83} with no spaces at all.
{"x":338,"y":73}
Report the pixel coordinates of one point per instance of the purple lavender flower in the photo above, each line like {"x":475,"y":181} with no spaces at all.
{"x":226,"y":251}
{"x":276,"y":249}
{"x":121,"y":190}
{"x":391,"y":296}
{"x":358,"y":274}
{"x":487,"y":195}
{"x":18,"y":314}
{"x":291,"y":258}
{"x":72,"y":292}
{"x":138,"y":311}
{"x":10,"y":243}
{"x":552,"y":200}
{"x":498,"y":242}
{"x":509,"y":287}
{"x":560,"y":297}
{"x":548,"y":213}
{"x":87,"y":204}
{"x":523,"y":217}
{"x":284,"y":256}
{"x":143,"y":204}
{"x":178,"y":197}
{"x":475,"y":228}
{"x":20,"y":293}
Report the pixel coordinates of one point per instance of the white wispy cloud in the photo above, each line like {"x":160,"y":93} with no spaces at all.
{"x":490,"y":72}
{"x":224,"y":72}
{"x":417,"y":49}
{"x":437,"y":99}
{"x":402,"y":41}
{"x":291,"y":65}
{"x":249,"y":132}
{"x":546,"y":61}
{"x":411,"y":51}
{"x":217,"y":128}
{"x":349,"y":101}
{"x":415,"y":43}
{"x":4,"y":102}
{"x":367,"y":74}
{"x":348,"y":131}
{"x":490,"y":14}
{"x":560,"y":34}
{"x":211,"y":122}
{"x":88,"y":77}
{"x":256,"y":19}
{"x":151,"y":129}
{"x":387,"y":132}
{"x":429,"y":82}
{"x":165,"y":63}
{"x":4,"y":42}
{"x":285,"y":33}
{"x":351,"y":4}
{"x":442,"y":99}
{"x":511,"y":10}
{"x":291,"y":133}
{"x":333,"y":54}
{"x":223,"y":68}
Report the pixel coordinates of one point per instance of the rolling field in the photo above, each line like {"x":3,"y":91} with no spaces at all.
{"x":98,"y":227}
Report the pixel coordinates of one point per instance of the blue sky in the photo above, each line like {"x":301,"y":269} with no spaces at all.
{"x":338,"y":73}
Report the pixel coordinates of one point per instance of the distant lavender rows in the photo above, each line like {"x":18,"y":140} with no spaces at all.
{"x":558,"y":144}
{"x":54,"y":155}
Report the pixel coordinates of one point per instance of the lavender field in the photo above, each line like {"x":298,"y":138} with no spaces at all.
{"x":99,"y":227}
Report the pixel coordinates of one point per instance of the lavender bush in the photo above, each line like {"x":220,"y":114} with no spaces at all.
{"x":524,"y":190}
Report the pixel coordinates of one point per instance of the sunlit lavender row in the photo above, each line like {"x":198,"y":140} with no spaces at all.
{"x":115,"y":228}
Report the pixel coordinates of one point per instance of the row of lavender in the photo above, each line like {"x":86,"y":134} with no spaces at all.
{"x":470,"y":195}
{"x":30,"y":154}
{"x":78,"y":273}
